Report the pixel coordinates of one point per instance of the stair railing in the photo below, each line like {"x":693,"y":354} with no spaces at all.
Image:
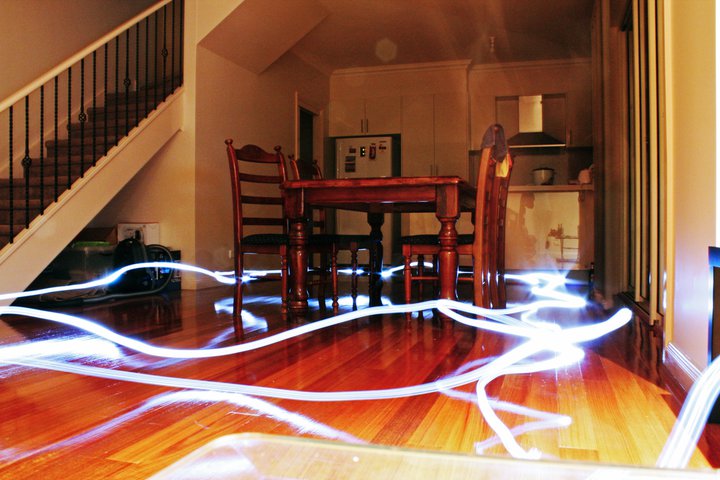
{"x":61,"y":124}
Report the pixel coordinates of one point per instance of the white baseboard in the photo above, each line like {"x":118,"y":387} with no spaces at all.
{"x":680,"y":367}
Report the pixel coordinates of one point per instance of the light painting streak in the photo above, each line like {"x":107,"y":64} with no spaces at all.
{"x":541,"y":337}
{"x":692,"y":419}
{"x":300,"y":423}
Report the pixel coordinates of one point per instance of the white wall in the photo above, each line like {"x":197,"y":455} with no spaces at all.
{"x":36,"y":35}
{"x":186,"y":187}
{"x":691,"y":138}
{"x":248,"y":108}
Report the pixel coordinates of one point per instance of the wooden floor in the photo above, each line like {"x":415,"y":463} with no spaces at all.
{"x":67,"y":425}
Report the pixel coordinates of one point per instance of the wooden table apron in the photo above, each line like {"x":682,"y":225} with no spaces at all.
{"x":446,"y":196}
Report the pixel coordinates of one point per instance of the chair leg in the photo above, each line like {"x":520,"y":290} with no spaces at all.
{"x":407,"y":278}
{"x":334,"y":276}
{"x":237,"y":297}
{"x":354,"y":280}
{"x":284,"y":284}
{"x":323,"y":280}
{"x":421,"y":273}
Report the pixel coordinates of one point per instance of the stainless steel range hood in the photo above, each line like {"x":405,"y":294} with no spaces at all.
{"x":530,"y":126}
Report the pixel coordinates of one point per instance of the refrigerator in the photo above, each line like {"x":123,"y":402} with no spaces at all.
{"x":367,"y":157}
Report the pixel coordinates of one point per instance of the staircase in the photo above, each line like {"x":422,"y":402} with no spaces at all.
{"x":96,"y":141}
{"x":67,"y":159}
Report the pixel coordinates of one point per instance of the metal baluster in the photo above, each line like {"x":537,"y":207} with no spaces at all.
{"x":182,"y":40}
{"x":11,"y":193}
{"x":56,"y":150}
{"x":127,"y":82}
{"x":164,"y":54}
{"x":155,"y":61}
{"x":147,"y":64}
{"x":172,"y":52}
{"x":137,"y":74}
{"x":69,"y":119}
{"x":94,"y":108}
{"x":42,"y":148}
{"x":105,"y":108}
{"x":82,"y":117}
{"x":27,"y":161}
{"x":117,"y":89}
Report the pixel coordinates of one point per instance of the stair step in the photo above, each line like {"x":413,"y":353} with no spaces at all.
{"x":18,"y":215}
{"x":34,"y":192}
{"x":86,"y":139}
{"x":20,"y":203}
{"x":76,"y":150}
{"x":49,"y":169}
{"x":119,"y":112}
{"x":5,"y":232}
{"x":62,"y":160}
{"x":99,"y":125}
{"x":152,"y":92}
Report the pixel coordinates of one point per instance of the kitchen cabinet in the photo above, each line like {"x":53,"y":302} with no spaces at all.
{"x":550,"y":228}
{"x":434,"y":135}
{"x":434,"y":142}
{"x":366,"y":116}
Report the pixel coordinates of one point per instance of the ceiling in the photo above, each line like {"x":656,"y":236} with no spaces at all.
{"x":341,"y":34}
{"x":367,"y":33}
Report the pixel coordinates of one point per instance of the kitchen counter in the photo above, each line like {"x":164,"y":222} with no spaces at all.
{"x":552,"y":188}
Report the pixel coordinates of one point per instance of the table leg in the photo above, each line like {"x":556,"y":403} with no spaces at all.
{"x":298,"y":268}
{"x":376,"y":221}
{"x":448,"y":258}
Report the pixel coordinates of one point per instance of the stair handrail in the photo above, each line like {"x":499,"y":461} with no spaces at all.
{"x":61,"y":67}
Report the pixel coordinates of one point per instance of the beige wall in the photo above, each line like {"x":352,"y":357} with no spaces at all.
{"x":30,"y":29}
{"x":259,"y":109}
{"x":693,"y":211}
{"x":186,"y":188}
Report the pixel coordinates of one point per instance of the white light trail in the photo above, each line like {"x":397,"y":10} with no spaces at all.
{"x":539,"y":337}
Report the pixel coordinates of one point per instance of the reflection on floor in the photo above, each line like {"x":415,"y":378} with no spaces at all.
{"x":620,"y":410}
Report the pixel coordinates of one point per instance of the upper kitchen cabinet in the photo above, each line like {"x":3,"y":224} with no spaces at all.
{"x":365,"y":116}
{"x":435,"y":134}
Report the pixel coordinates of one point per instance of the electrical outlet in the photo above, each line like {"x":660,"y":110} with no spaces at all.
{"x":149,"y":233}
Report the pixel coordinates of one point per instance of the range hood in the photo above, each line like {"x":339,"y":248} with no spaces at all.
{"x":530,"y":126}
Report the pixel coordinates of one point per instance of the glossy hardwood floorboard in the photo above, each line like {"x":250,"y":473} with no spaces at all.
{"x":65,"y":425}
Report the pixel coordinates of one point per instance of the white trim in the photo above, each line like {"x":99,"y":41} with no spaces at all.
{"x":717,"y":124}
{"x":455,"y":64}
{"x":680,"y":366}
{"x":568,"y":62}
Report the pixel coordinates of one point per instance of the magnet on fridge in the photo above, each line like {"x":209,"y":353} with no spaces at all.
{"x":373,"y":151}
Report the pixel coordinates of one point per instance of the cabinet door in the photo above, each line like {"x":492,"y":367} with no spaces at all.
{"x":347,"y":117}
{"x":383,"y":115}
{"x":545,"y":231}
{"x":418,"y":144}
{"x":451,"y":134}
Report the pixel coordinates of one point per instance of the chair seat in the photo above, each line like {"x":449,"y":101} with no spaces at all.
{"x":349,"y":238}
{"x":266,"y":239}
{"x":430,"y":239}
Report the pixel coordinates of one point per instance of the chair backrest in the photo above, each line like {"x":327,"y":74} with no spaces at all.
{"x":319,"y":220}
{"x":255,"y":178}
{"x":490,"y":204}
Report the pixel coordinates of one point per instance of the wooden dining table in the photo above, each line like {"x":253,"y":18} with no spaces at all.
{"x":447,"y":196}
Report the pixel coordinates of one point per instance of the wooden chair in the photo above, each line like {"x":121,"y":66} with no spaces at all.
{"x":257,"y":203}
{"x":351,"y":243}
{"x":486,"y":244}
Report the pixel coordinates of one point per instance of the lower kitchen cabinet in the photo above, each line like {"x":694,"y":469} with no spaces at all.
{"x":550,"y":228}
